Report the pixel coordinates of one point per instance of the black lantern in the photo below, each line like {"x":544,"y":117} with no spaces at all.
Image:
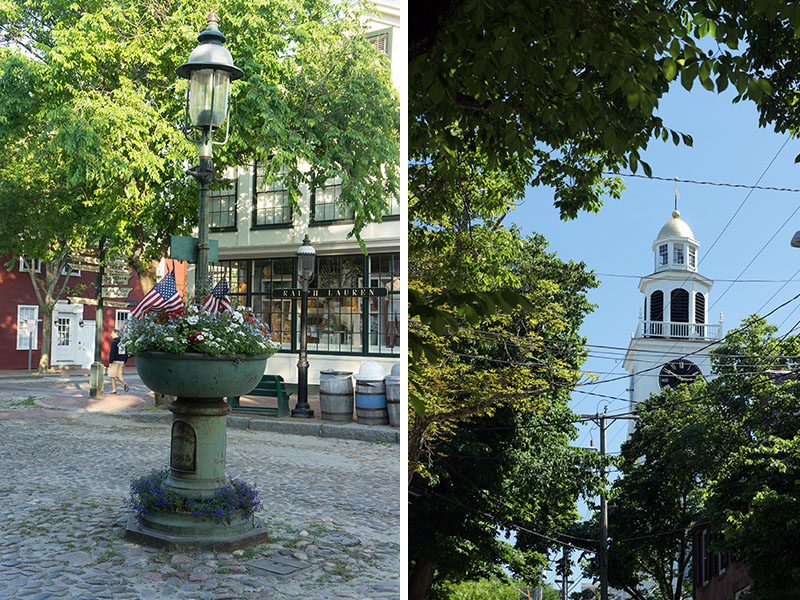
{"x":210,"y":70}
{"x":305,"y":258}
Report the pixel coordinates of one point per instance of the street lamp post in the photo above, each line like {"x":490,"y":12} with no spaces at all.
{"x":210,"y":70}
{"x":97,"y":370}
{"x":305,"y":265}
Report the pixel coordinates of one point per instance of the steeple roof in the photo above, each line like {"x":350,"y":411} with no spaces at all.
{"x":675,"y":227}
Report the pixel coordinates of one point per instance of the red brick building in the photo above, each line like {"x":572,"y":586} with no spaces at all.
{"x":716,"y":576}
{"x":73,"y":328}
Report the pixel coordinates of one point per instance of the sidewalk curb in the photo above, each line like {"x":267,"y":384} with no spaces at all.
{"x":382,"y":434}
{"x":361,"y":433}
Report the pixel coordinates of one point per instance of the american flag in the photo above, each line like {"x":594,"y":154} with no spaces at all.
{"x":218,"y":300}
{"x":164,"y":296}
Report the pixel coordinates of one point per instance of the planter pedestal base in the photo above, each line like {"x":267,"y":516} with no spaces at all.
{"x":198,"y":447}
{"x":216,"y":538}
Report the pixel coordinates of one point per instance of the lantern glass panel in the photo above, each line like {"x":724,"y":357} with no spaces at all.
{"x":307,"y":266}
{"x":208,"y":98}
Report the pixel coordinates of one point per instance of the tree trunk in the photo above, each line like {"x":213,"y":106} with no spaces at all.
{"x":147,"y":275}
{"x":47,"y":334}
{"x":421,"y":579}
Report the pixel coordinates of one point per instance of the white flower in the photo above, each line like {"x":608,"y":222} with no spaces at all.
{"x":192,"y":320}
{"x":237,"y":316}
{"x":169,"y":338}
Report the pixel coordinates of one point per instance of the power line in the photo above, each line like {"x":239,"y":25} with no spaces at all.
{"x":655,"y":275}
{"x":714,"y":183}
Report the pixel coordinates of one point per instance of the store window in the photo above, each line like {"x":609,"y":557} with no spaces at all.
{"x":235,"y":271}
{"x":335,"y":324}
{"x":271,"y":207}
{"x":324,"y":207}
{"x":384,"y":312}
{"x":27,"y":327}
{"x":273,"y":274}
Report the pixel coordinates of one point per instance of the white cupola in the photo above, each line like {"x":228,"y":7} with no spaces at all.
{"x":675,"y":248}
{"x":675,"y":294}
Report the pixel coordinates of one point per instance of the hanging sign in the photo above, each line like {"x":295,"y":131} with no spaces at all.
{"x":364,"y":292}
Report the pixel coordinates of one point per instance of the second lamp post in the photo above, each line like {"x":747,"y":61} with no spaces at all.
{"x":305,"y":265}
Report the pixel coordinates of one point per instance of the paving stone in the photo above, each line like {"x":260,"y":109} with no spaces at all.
{"x":344,"y":491}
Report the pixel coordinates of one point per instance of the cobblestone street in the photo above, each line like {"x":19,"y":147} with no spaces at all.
{"x":330,"y":504}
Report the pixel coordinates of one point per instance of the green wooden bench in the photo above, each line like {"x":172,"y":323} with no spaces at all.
{"x":270,"y":386}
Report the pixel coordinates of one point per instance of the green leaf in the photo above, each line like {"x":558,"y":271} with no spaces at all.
{"x":670,"y":69}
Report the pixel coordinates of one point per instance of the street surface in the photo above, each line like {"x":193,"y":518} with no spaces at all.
{"x":330,"y":505}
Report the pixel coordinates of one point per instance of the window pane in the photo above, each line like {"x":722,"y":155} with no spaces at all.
{"x":222,"y":208}
{"x":662,"y":255}
{"x":27,"y":327}
{"x":121,"y":319}
{"x":324,"y":203}
{"x":677,"y":254}
{"x":271,"y":274}
{"x":270,"y":200}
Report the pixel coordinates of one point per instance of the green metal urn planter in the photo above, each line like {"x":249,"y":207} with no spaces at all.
{"x":198,"y":445}
{"x":196,"y":375}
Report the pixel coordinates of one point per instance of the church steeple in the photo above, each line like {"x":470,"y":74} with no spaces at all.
{"x":670,"y":345}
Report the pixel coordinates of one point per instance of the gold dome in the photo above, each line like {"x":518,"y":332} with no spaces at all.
{"x":675,"y":227}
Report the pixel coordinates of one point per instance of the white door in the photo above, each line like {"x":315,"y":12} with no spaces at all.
{"x":64,"y":338}
{"x":86,"y":344}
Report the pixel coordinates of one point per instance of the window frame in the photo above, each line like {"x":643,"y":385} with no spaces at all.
{"x":254,"y":224}
{"x":692,"y":257}
{"x":37,"y":262}
{"x":235,"y":193}
{"x":118,"y":312}
{"x":35,"y":341}
{"x":370,"y":35}
{"x":678,"y":252}
{"x":663,"y":255}
{"x":313,"y":221}
{"x":70,"y":272}
{"x":393,"y":217}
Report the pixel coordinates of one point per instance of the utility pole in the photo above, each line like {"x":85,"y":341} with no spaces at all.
{"x":565,"y":576}
{"x":602,"y":551}
{"x":603,"y":554}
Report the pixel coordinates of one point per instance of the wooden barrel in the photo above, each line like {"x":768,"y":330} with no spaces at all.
{"x":393,"y":399}
{"x":371,"y":402}
{"x":336,"y":396}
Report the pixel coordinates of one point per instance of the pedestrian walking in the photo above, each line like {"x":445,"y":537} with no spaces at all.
{"x":116,"y":360}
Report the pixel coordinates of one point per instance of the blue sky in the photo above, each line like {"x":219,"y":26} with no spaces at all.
{"x":729,"y":147}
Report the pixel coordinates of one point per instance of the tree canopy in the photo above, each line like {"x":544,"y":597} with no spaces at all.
{"x":726,"y":451}
{"x":490,"y":450}
{"x":91,"y":106}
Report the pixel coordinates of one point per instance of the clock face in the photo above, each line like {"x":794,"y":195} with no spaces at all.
{"x":677,"y":372}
